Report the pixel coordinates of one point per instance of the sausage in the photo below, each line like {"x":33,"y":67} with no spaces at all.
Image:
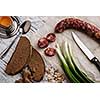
{"x":50,"y":51}
{"x":51,"y":37}
{"x":43,"y":42}
{"x":74,"y":23}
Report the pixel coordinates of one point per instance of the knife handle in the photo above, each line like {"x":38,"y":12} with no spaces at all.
{"x":96,"y":62}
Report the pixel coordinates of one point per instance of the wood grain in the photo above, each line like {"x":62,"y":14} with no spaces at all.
{"x":43,"y":25}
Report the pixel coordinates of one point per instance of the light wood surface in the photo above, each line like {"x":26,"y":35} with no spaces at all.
{"x":41,"y":26}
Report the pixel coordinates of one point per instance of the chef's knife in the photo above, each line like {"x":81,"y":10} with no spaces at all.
{"x":86,"y":51}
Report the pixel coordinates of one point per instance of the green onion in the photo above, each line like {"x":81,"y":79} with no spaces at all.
{"x":65,"y":66}
{"x":81,"y":73}
{"x":69,"y":65}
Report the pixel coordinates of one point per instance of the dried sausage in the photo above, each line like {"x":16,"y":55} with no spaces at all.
{"x":43,"y":42}
{"x":50,"y":51}
{"x":79,"y":25}
{"x":51,"y":37}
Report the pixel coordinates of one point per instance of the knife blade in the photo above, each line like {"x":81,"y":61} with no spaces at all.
{"x":86,"y":51}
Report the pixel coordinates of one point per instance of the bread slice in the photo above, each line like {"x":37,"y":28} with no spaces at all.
{"x":20,"y":57}
{"x":25,"y":55}
{"x":34,"y":69}
{"x":36,"y":65}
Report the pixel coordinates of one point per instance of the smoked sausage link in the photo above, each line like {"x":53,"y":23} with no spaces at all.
{"x":74,"y":23}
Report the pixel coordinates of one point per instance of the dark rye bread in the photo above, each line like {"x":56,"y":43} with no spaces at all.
{"x":34,"y":69}
{"x":36,"y":65}
{"x":19,"y":58}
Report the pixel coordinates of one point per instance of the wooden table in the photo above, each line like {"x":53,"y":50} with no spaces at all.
{"x":42,"y":25}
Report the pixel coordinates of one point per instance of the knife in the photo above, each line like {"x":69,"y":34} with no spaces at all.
{"x":86,"y":51}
